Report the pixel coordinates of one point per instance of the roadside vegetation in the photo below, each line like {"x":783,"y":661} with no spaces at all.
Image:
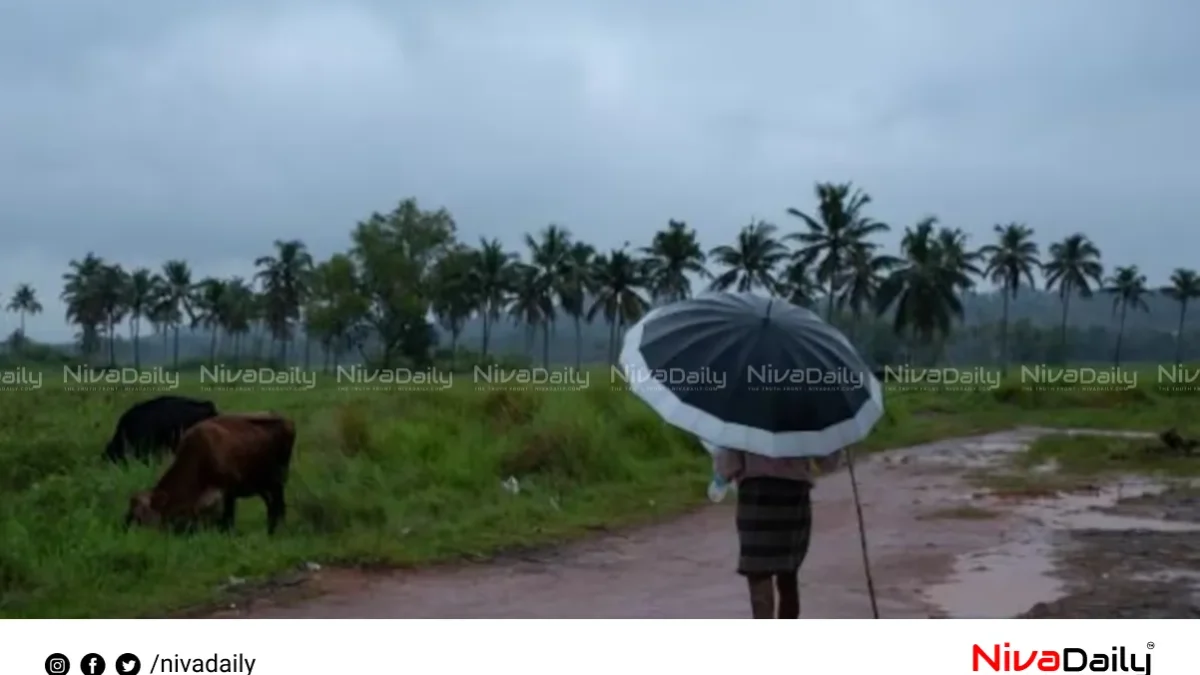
{"x":395,"y":478}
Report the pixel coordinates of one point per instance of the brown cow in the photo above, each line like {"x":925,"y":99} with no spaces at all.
{"x":222,"y":458}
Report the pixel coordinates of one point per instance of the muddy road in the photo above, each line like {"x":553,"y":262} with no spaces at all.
{"x":939,"y":545}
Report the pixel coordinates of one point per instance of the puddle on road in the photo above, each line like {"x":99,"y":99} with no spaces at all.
{"x":1006,"y":581}
{"x":998,"y":584}
{"x":1079,"y":511}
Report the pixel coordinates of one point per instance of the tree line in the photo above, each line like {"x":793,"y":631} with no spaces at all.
{"x":407,"y":283}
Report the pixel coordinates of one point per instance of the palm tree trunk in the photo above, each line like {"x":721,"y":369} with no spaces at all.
{"x":1062,"y":342}
{"x":307,"y":350}
{"x":619,"y":333}
{"x":612,"y":340}
{"x":829,"y":303}
{"x":212,"y":348}
{"x":22,"y":323}
{"x":175,"y":357}
{"x":137,"y":338}
{"x":487,"y":333}
{"x":1120,"y":335}
{"x":112,"y":343}
{"x":1179,"y":333}
{"x":1004,"y":337}
{"x":454,"y":347}
{"x":578,"y":343}
{"x":545,"y":344}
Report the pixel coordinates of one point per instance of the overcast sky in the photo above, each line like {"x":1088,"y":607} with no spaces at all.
{"x":149,"y":130}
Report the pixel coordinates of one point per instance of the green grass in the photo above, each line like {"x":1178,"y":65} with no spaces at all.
{"x":1059,"y":463}
{"x":1098,"y":456}
{"x":402,"y":478}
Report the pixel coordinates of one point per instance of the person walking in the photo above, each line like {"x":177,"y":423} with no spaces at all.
{"x":774,"y":525}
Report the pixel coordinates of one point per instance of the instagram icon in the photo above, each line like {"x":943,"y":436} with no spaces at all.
{"x":57,"y":664}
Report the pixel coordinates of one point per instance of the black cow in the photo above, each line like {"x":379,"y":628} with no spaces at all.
{"x":154,"y":425}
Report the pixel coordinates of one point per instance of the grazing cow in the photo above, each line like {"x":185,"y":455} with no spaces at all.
{"x":156,"y":424}
{"x":221,"y":459}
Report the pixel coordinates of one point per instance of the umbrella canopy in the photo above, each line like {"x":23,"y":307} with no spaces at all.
{"x":752,"y":373}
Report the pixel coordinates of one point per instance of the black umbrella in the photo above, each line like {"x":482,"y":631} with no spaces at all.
{"x":752,"y":373}
{"x":756,"y":374}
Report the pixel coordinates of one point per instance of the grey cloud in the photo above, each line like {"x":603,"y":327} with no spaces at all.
{"x":145,"y":131}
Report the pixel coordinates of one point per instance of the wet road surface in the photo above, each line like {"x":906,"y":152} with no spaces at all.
{"x":926,"y":561}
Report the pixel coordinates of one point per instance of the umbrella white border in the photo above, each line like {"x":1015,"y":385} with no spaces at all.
{"x":738,"y":436}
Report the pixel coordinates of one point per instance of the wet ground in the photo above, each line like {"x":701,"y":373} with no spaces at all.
{"x":1151,"y":571}
{"x":939,"y":546}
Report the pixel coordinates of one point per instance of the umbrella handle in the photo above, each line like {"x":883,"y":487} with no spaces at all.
{"x":862,"y":533}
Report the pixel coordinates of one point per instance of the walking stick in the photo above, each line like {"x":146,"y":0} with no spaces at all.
{"x":862,"y":532}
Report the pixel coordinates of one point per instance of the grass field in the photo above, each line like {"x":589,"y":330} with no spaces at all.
{"x":399,"y":478}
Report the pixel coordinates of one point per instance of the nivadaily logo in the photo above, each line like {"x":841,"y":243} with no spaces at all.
{"x":1068,"y":660}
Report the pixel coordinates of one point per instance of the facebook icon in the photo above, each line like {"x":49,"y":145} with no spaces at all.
{"x":92,"y":664}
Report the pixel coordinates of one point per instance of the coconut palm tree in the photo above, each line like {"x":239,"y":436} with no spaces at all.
{"x":1127,"y":286}
{"x":25,"y":303}
{"x":956,"y":256}
{"x":492,"y":279}
{"x":674,"y":253}
{"x":83,"y":305}
{"x":211,"y":304}
{"x":548,"y":255}
{"x":176,"y":299}
{"x":865,"y":272}
{"x":751,"y":261}
{"x":241,"y":313}
{"x":578,"y":283}
{"x":832,"y":237}
{"x":1185,"y":287}
{"x":1012,"y":258}
{"x":139,"y":296}
{"x":111,"y":292}
{"x":797,"y":285}
{"x":923,"y":289}
{"x":285,"y":279}
{"x":162,"y":314}
{"x":453,"y":300}
{"x":1074,"y":268}
{"x":620,"y":282}
{"x":531,"y":302}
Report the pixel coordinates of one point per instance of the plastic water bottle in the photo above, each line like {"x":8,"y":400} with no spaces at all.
{"x":717,"y":489}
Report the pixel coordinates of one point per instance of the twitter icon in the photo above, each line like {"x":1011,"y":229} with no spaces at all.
{"x":128,"y":664}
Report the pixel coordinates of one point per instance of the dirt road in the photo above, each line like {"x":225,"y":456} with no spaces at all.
{"x":939,"y":547}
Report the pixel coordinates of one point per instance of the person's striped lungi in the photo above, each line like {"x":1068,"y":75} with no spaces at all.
{"x":774,"y":524}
